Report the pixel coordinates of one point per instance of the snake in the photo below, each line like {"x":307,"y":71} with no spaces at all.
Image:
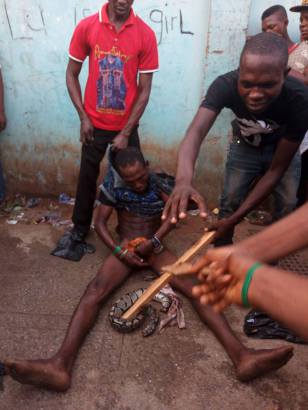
{"x":148,"y":313}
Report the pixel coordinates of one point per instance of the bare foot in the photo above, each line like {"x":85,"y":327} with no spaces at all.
{"x":256,"y":363}
{"x":42,"y":373}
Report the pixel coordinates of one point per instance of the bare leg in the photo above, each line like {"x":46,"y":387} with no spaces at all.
{"x":248,"y":363}
{"x":55,"y":373}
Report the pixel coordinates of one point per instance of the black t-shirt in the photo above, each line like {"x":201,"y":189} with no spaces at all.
{"x":287,"y":116}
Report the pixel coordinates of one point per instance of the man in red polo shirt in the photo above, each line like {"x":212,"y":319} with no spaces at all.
{"x":119,"y":46}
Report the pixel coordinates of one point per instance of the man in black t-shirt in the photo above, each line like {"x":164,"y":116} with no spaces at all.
{"x":271,"y":118}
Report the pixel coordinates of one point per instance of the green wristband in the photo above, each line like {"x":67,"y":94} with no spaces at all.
{"x":123,"y":253}
{"x":117,"y":250}
{"x":247,"y":283}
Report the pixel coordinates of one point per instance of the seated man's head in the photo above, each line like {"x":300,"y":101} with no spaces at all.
{"x":275,"y":20}
{"x":133,"y":168}
{"x":263,"y":69}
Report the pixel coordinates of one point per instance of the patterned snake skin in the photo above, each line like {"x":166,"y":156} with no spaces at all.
{"x":148,"y":312}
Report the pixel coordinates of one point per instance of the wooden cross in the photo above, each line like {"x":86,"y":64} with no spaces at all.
{"x":166,"y":277}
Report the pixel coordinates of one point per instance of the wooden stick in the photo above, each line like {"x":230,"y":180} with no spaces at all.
{"x":204,"y":240}
{"x":166,"y":277}
{"x":184,"y":269}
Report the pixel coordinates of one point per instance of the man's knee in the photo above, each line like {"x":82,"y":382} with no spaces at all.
{"x":96,"y":292}
{"x":184,"y":285}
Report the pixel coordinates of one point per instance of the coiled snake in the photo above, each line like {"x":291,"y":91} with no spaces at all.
{"x":126,"y":301}
{"x":148,"y":312}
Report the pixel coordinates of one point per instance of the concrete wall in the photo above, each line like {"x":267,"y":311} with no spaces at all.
{"x":198,"y":40}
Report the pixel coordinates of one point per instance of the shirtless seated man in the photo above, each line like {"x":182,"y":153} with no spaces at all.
{"x":138,"y":196}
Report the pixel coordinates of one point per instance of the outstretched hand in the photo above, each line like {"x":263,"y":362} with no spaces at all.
{"x":219,"y":255}
{"x":176,"y":206}
{"x":120,"y":142}
{"x":86,"y":131}
{"x":222,"y":283}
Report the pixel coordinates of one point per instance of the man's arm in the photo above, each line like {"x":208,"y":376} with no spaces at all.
{"x":166,"y":226}
{"x":129,"y":258}
{"x":102,"y":216}
{"x":2,"y":110}
{"x":187,"y":156}
{"x":281,"y":294}
{"x":143,"y":95}
{"x":288,"y":235}
{"x":146,"y":248}
{"x":283,"y":156}
{"x":74,"y":89}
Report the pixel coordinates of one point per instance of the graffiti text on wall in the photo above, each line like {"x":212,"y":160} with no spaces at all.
{"x":165,"y":24}
{"x":27,"y":24}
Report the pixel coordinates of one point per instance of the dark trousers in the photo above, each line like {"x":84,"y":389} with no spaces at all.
{"x":91,"y":157}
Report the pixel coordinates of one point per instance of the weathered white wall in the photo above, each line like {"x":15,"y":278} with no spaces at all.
{"x":198,"y":40}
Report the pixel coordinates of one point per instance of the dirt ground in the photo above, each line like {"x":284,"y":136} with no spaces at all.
{"x":177,"y":370}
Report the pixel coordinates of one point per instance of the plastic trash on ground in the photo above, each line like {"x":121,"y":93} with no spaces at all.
{"x":66,"y":199}
{"x":32,"y":202}
{"x":72,"y":246}
{"x":260,"y":326}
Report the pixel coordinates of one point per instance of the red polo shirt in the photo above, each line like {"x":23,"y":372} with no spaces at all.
{"x":115,"y":58}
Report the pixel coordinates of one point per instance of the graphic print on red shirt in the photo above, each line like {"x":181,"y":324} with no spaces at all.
{"x":115,"y":58}
{"x":111,"y":86}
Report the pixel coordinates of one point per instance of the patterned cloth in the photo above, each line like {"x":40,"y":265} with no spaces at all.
{"x":175,"y":315}
{"x":298,"y":59}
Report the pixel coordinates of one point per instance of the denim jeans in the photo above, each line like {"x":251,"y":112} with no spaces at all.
{"x":246,"y":163}
{"x":2,"y":184}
